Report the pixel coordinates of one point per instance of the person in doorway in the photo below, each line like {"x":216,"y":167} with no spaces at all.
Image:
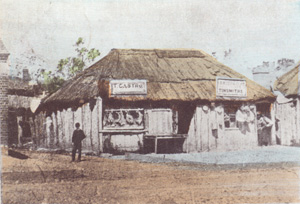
{"x":78,"y":136}
{"x":242,"y":119}
{"x":26,"y":132}
{"x":264,"y":125}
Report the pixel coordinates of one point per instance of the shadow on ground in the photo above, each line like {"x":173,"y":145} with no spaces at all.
{"x":16,"y":154}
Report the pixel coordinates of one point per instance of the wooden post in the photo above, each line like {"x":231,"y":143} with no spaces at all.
{"x":19,"y":118}
{"x":197,"y":129}
{"x":255,"y":139}
{"x":86,"y":127}
{"x":273,"y":130}
{"x":220,"y":119}
{"x":155,"y":145}
{"x":298,"y":119}
{"x":99,"y":105}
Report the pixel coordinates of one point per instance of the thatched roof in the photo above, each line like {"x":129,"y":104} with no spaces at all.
{"x":288,"y":83}
{"x":17,"y":86}
{"x":179,"y":74}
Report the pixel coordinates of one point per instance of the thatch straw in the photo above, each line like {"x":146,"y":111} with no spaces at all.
{"x":17,"y":86}
{"x":178,"y":74}
{"x":288,"y":83}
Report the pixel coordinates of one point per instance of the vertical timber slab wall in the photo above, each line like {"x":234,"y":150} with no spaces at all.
{"x":298,"y":120}
{"x":197,"y":131}
{"x":98,"y":124}
{"x":69,"y":119}
{"x":288,"y":119}
{"x":85,"y":125}
{"x":60,"y":133}
{"x":213,"y":126}
{"x":221,"y":140}
{"x":200,"y":137}
{"x":279,"y":124}
{"x":190,"y":144}
{"x":40,"y":121}
{"x":293,"y":113}
{"x":298,"y":108}
{"x":273,"y":130}
{"x":55,"y":131}
{"x":207,"y":132}
{"x":292,"y":119}
{"x":205,"y":128}
{"x":48,"y":132}
{"x":94,"y":120}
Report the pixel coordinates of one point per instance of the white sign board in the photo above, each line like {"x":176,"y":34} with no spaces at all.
{"x":228,"y":87}
{"x":128,"y":87}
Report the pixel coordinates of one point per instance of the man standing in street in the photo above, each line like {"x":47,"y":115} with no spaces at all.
{"x":78,"y":136}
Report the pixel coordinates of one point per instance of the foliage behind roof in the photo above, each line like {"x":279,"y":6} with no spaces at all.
{"x":172,"y":74}
{"x":288,"y":83}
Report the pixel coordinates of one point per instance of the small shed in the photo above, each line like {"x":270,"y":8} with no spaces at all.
{"x":287,"y":108}
{"x":156,"y":100}
{"x":23,"y":100}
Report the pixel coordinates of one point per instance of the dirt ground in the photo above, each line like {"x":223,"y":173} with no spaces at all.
{"x":52,"y":178}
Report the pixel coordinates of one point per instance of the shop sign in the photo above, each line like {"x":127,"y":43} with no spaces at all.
{"x":229,"y":87}
{"x":128,"y":87}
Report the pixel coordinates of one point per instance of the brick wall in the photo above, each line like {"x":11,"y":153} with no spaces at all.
{"x":3,"y":110}
{"x":4,"y":70}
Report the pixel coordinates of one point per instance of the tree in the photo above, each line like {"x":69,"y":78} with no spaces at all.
{"x":69,"y":67}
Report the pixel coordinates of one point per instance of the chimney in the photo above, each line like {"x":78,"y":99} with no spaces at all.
{"x":26,"y":75}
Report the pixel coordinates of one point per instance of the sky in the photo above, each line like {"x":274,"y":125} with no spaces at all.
{"x":254,"y":30}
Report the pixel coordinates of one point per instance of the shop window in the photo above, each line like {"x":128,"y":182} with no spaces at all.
{"x":123,"y":119}
{"x":230,"y":116}
{"x":161,"y":121}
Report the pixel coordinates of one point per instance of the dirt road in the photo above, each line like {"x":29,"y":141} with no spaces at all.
{"x":52,"y":178}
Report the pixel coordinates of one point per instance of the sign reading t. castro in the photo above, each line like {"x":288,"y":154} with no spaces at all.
{"x":128,"y":87}
{"x":233,"y":88}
